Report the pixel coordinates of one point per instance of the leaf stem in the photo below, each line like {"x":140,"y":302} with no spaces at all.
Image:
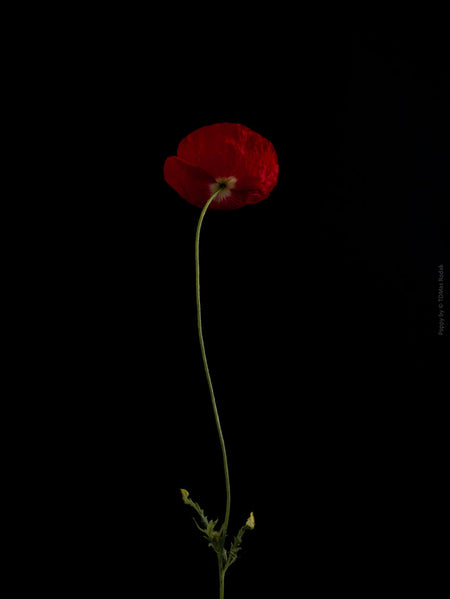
{"x":211,"y":391}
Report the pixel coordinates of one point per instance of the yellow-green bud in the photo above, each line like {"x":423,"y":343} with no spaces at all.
{"x":184,"y":494}
{"x":251,"y":521}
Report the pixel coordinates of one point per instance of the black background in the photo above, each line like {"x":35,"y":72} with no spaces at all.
{"x":320,"y":311}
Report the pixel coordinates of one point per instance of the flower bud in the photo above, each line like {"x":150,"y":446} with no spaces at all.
{"x":251,"y":521}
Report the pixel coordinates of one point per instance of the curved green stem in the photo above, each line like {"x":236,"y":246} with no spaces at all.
{"x":208,"y":377}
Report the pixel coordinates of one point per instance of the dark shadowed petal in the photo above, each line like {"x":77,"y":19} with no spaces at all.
{"x":191,"y":182}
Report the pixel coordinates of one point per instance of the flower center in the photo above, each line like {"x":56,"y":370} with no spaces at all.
{"x":225,"y":184}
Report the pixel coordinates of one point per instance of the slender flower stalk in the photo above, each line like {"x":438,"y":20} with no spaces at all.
{"x":224,"y":528}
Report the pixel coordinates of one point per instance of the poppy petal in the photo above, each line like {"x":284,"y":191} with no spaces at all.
{"x":191,"y":182}
{"x":225,"y":154}
{"x":230,"y":149}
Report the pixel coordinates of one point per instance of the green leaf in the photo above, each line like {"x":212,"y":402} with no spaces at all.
{"x":207,"y":527}
{"x":236,"y":544}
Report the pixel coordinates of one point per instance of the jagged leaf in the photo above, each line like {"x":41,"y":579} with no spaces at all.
{"x":236,"y":544}
{"x":208,"y":526}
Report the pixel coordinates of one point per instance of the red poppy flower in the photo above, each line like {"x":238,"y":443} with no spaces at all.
{"x":228,"y":156}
